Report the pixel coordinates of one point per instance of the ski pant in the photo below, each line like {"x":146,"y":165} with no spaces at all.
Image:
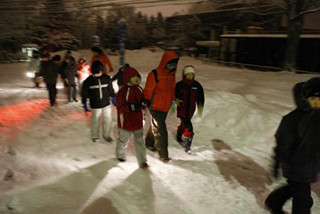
{"x":97,"y":113}
{"x":72,"y":91}
{"x":123,"y":140}
{"x":301,"y":198}
{"x":158,"y":135}
{"x":185,"y":128}
{"x":52,"y":90}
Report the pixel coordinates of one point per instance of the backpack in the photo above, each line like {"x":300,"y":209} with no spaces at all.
{"x":154,"y":71}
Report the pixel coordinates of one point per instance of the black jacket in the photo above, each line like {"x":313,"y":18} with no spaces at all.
{"x":49,"y":71}
{"x":298,"y":140}
{"x":98,"y":90}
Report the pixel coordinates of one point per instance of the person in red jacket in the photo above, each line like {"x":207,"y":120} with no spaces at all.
{"x":189,"y":94}
{"x":130,"y":117}
{"x":99,"y":55}
{"x":159,"y":93}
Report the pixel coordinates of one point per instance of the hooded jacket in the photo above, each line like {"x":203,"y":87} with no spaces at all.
{"x":161,"y":93}
{"x":104,"y":59}
{"x":98,"y":90}
{"x":129,"y":95}
{"x":190,"y":92}
{"x":298,"y":139}
{"x":49,"y":71}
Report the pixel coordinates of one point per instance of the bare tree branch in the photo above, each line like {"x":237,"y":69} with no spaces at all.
{"x":306,"y":12}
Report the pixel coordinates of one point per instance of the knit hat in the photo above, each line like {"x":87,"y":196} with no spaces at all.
{"x":56,"y":58}
{"x":189,"y":69}
{"x":97,"y":67}
{"x":313,"y":87}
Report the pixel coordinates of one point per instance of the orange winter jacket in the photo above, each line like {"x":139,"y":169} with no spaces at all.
{"x":161,"y":93}
{"x":104,"y":59}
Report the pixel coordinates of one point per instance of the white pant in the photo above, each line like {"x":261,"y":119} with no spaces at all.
{"x":122,"y":143}
{"x":105,"y":113}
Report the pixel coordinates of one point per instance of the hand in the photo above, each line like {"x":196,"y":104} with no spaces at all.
{"x":113,"y":100}
{"x":135,"y":106}
{"x":173,"y":107}
{"x":85,"y":107}
{"x":200,"y":110}
{"x":179,"y":102}
{"x":146,"y":103}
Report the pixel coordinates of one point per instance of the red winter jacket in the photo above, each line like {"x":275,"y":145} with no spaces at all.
{"x":127,"y":95}
{"x":161,"y":93}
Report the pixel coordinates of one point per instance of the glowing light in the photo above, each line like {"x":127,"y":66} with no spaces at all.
{"x":30,"y":74}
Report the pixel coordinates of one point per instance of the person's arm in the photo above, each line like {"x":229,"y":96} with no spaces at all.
{"x":107,"y":62}
{"x":85,"y":94}
{"x":149,"y":87}
{"x":121,"y":103}
{"x":200,"y":99}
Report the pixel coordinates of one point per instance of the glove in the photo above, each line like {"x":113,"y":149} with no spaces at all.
{"x":113,"y":100}
{"x":135,"y":106}
{"x":173,"y":107}
{"x":85,"y":107}
{"x":146,"y":103}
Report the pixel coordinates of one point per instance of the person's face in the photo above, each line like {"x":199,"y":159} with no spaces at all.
{"x":134,"y":80}
{"x":81,"y":61}
{"x":171,"y":66}
{"x":314,"y":102}
{"x":189,"y":76}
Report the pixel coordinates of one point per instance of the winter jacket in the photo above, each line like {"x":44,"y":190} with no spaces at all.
{"x":83,"y":70}
{"x":49,"y":71}
{"x":119,"y":77}
{"x":190,"y":92}
{"x":70,"y":70}
{"x":298,"y":140}
{"x":161,"y":93}
{"x":104,"y":59}
{"x":98,"y":90}
{"x":129,"y":95}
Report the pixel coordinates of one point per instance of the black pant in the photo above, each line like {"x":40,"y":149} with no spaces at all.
{"x":72,"y":91}
{"x":301,"y":196}
{"x":158,"y":135}
{"x":52,"y":90}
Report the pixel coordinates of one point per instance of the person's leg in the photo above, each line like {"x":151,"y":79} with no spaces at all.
{"x":122,"y":143}
{"x":187,"y":134}
{"x":180,"y":131}
{"x":107,"y":123}
{"x":159,"y":129}
{"x":95,"y":123}
{"x":69,"y":92}
{"x":54,"y":93}
{"x":301,"y":197}
{"x":74,"y":92}
{"x":277,"y":198}
{"x":51,"y":93}
{"x":139,"y":146}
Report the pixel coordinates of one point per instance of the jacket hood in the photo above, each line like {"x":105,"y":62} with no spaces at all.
{"x":167,"y":57}
{"x":128,"y":73}
{"x":302,"y":90}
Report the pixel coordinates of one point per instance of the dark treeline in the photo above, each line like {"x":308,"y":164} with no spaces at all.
{"x":57,"y":25}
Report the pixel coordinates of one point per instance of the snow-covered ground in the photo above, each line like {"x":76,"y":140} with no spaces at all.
{"x":49,"y":165}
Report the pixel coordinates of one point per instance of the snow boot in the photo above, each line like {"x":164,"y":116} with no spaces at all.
{"x":187,"y":143}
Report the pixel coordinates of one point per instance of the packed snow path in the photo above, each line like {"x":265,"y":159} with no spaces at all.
{"x":49,"y":165}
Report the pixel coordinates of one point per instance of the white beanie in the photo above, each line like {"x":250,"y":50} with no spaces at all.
{"x":189,"y":69}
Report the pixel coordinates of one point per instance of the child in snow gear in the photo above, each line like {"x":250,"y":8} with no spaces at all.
{"x":49,"y":71}
{"x":99,"y":55}
{"x":98,"y":88}
{"x":159,"y":92}
{"x":189,"y":94}
{"x":83,"y":71}
{"x":297,"y":150}
{"x":130,"y":117}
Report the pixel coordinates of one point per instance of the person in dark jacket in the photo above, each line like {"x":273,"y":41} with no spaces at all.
{"x":130,"y":117}
{"x":70,"y":74}
{"x":189,"y":94}
{"x":119,"y":76}
{"x":297,"y":150}
{"x":49,"y":71}
{"x":98,"y":88}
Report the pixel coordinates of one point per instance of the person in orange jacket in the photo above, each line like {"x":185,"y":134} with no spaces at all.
{"x":99,"y":55}
{"x":159,"y":94}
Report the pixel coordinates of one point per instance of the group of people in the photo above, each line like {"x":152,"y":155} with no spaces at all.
{"x":297,"y":149}
{"x":160,"y":94}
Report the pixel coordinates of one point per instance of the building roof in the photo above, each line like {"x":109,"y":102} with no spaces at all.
{"x":306,"y":36}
